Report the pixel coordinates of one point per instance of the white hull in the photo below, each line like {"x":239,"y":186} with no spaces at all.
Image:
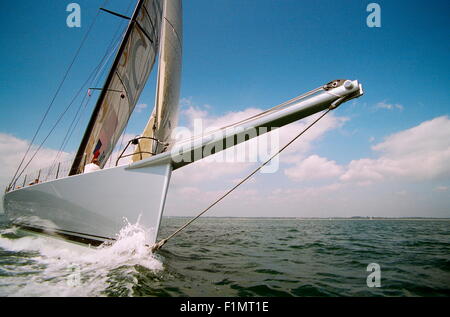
{"x":92,"y":208}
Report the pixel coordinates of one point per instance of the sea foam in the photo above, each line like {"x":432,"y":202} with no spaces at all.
{"x":53,"y":267}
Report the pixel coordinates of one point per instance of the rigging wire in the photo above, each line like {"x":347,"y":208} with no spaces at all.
{"x":159,"y":244}
{"x":68,"y":133}
{"x":62,"y":115}
{"x":52,"y":129}
{"x":54,"y":97}
{"x":99,"y":68}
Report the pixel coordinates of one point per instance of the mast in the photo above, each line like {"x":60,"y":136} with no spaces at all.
{"x":123,"y":85}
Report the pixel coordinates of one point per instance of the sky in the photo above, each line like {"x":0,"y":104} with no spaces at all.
{"x":384,"y":154}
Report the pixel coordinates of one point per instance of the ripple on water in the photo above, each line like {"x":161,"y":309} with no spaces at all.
{"x":239,"y":257}
{"x":259,"y":290}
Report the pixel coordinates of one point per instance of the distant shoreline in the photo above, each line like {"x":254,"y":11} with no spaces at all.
{"x":305,"y":218}
{"x":317,"y":218}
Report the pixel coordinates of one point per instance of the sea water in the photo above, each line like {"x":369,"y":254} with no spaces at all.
{"x":237,"y":257}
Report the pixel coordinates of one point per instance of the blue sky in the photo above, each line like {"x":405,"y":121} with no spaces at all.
{"x":252,"y":54}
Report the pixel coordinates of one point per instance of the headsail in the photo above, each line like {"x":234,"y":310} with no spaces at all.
{"x":127,"y":77}
{"x":165,"y":115}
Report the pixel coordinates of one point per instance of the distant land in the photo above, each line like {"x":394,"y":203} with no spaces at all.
{"x":322,"y":218}
{"x":308,"y":218}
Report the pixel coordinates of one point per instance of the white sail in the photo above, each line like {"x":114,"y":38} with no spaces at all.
{"x":123,"y":86}
{"x":165,"y":115}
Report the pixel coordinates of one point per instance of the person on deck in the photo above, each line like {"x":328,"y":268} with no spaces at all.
{"x":36,"y":181}
{"x":92,"y":167}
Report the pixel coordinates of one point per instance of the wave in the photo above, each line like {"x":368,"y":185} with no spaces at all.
{"x":52,"y":267}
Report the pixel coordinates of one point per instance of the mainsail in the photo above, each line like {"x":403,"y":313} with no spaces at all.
{"x":123,"y":86}
{"x":164,"y":118}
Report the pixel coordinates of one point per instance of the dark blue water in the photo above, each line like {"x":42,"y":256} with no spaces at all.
{"x":241,"y":257}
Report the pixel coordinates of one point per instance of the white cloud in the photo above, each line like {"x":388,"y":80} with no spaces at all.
{"x":414,"y":156}
{"x":427,"y":137}
{"x":188,"y":102}
{"x":441,"y":188}
{"x":212,"y":167}
{"x":140,"y":107}
{"x":420,"y":153}
{"x":12,"y":150}
{"x":286,"y":133}
{"x":305,"y":144}
{"x":388,"y":106}
{"x":401,"y":159}
{"x":202,"y":172}
{"x":312,"y":168}
{"x":196,"y":185}
{"x":299,"y":194}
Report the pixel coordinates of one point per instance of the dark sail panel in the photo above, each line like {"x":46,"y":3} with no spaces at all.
{"x":124,"y":84}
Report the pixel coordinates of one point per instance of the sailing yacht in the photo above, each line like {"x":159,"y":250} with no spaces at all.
{"x":90,"y":207}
